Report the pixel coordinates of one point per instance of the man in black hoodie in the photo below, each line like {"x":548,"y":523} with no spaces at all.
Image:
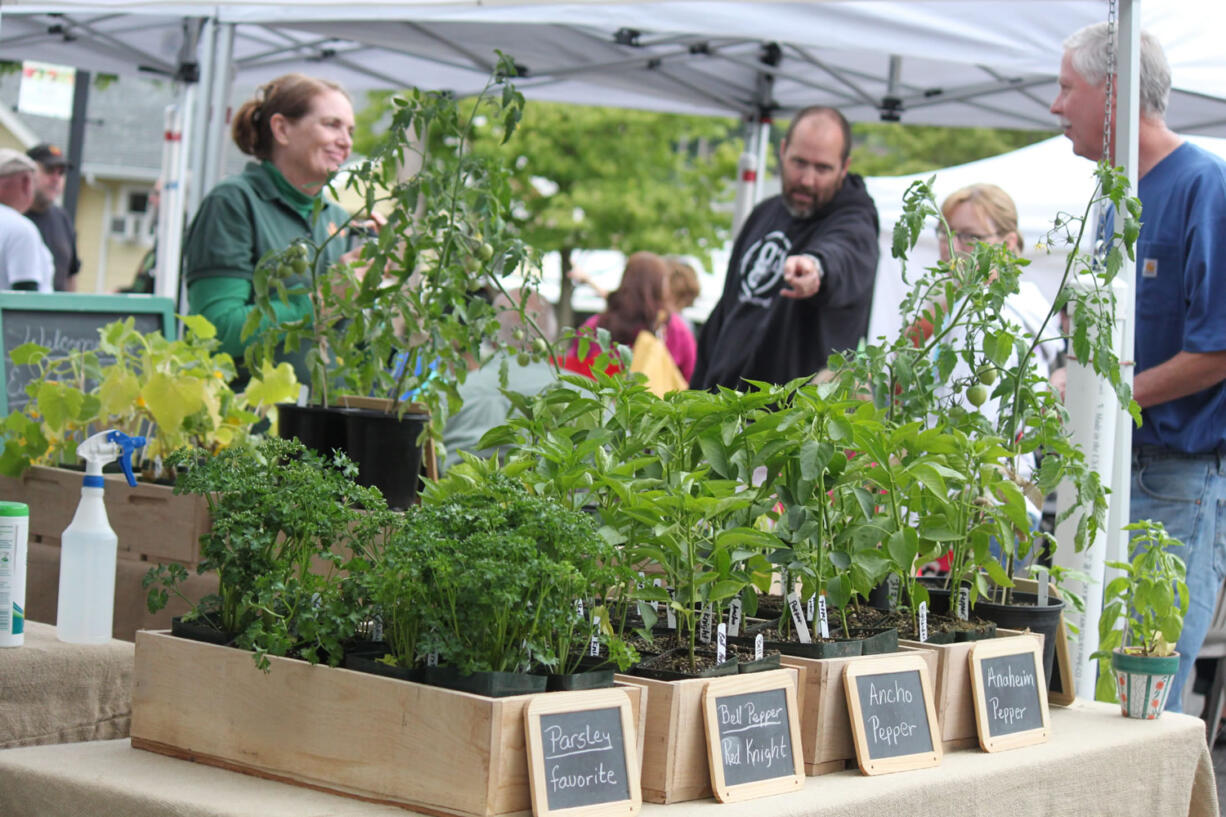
{"x":800,"y":280}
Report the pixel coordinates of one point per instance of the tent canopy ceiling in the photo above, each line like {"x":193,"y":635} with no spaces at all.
{"x":949,"y":62}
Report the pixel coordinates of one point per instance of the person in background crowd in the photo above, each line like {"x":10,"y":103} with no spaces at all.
{"x":678,"y":334}
{"x":639,"y":304}
{"x":25,"y":261}
{"x":53,"y":221}
{"x":1178,"y":467}
{"x":800,"y":278}
{"x":300,"y":131}
{"x":485,"y":406}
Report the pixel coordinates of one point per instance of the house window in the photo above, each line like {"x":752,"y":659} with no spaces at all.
{"x":136,"y":219}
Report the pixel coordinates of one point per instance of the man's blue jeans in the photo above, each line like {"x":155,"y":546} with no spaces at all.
{"x":1187,"y":494}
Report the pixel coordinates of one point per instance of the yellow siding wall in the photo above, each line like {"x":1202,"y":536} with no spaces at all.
{"x":118,"y":263}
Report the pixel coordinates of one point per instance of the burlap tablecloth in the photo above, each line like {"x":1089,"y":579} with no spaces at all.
{"x":1097,"y":763}
{"x":52,"y":692}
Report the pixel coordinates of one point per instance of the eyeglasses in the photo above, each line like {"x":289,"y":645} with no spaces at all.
{"x":964,"y":237}
{"x":58,"y":170}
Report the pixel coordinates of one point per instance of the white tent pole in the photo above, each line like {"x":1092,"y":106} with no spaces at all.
{"x":170,"y":213}
{"x":1114,"y":465}
{"x":763,"y":147}
{"x":222,"y":79}
{"x":746,"y":176}
{"x":200,"y":113}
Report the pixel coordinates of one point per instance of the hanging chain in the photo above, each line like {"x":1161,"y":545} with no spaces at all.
{"x":1109,"y":86}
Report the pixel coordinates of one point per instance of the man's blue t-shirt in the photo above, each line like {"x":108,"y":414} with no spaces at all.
{"x":1181,"y":292}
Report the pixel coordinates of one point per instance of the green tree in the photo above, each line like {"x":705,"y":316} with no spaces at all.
{"x":890,"y":149}
{"x":601,"y":178}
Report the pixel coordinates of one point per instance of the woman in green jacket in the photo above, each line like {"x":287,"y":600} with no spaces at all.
{"x":300,"y":131}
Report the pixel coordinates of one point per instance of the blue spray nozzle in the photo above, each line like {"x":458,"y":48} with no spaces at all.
{"x":127,"y":446}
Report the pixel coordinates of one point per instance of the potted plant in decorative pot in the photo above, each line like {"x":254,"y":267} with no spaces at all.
{"x":390,"y":339}
{"x":1142,"y":617}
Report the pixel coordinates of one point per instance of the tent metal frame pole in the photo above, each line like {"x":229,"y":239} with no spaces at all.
{"x":1127,"y":119}
{"x":194,"y":182}
{"x":221,"y":81}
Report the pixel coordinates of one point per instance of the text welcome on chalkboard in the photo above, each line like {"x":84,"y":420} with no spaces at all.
{"x":895,"y":714}
{"x":1010,"y":688}
{"x":754,"y":736}
{"x":585,"y":758}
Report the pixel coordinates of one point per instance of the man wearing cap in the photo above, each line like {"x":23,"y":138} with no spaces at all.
{"x":51,"y":219}
{"x":25,"y":261}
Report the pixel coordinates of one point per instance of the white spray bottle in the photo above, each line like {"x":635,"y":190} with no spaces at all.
{"x":88,"y":546}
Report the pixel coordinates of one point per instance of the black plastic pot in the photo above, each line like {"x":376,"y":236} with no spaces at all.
{"x":320,"y":429}
{"x":647,"y":670}
{"x":987,"y":630}
{"x":387,"y":453}
{"x":366,"y":660}
{"x":836,"y":648}
{"x":766,"y":662}
{"x":1026,"y":614}
{"x":592,"y":679}
{"x":489,"y":684}
{"x":200,"y":631}
{"x":876,"y":641}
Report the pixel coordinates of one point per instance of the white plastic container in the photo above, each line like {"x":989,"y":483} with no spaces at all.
{"x":14,"y":535}
{"x":89,"y":547}
{"x":88,"y":552}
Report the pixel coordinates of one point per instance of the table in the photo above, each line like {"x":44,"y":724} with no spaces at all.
{"x":1096,"y":763}
{"x":52,"y":692}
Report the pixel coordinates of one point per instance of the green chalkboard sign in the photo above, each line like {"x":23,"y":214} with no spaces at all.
{"x":66,"y":321}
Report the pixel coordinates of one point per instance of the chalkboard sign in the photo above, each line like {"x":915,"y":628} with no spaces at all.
{"x":582,"y":753}
{"x":66,"y":321}
{"x":893,"y":722}
{"x":1010,"y":692}
{"x":753,"y":735}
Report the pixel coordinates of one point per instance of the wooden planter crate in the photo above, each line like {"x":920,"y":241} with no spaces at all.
{"x":674,"y":748}
{"x":365,"y":736}
{"x":152,"y":523}
{"x":825,"y":727}
{"x":951,"y":686}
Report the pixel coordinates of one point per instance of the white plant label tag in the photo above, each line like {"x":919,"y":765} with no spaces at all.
{"x":669,"y":613}
{"x":579,"y":607}
{"x":721,"y":643}
{"x":923,"y":621}
{"x":734,"y":617}
{"x":658,"y":583}
{"x":432,"y":660}
{"x":798,"y":619}
{"x":893,"y":585}
{"x":376,"y":628}
{"x":1044,"y":577}
{"x":964,"y":602}
{"x":595,"y":649}
{"x":705,"y":624}
{"x":823,"y":621}
{"x":783,"y":582}
{"x":758,"y":644}
{"x":811,"y":608}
